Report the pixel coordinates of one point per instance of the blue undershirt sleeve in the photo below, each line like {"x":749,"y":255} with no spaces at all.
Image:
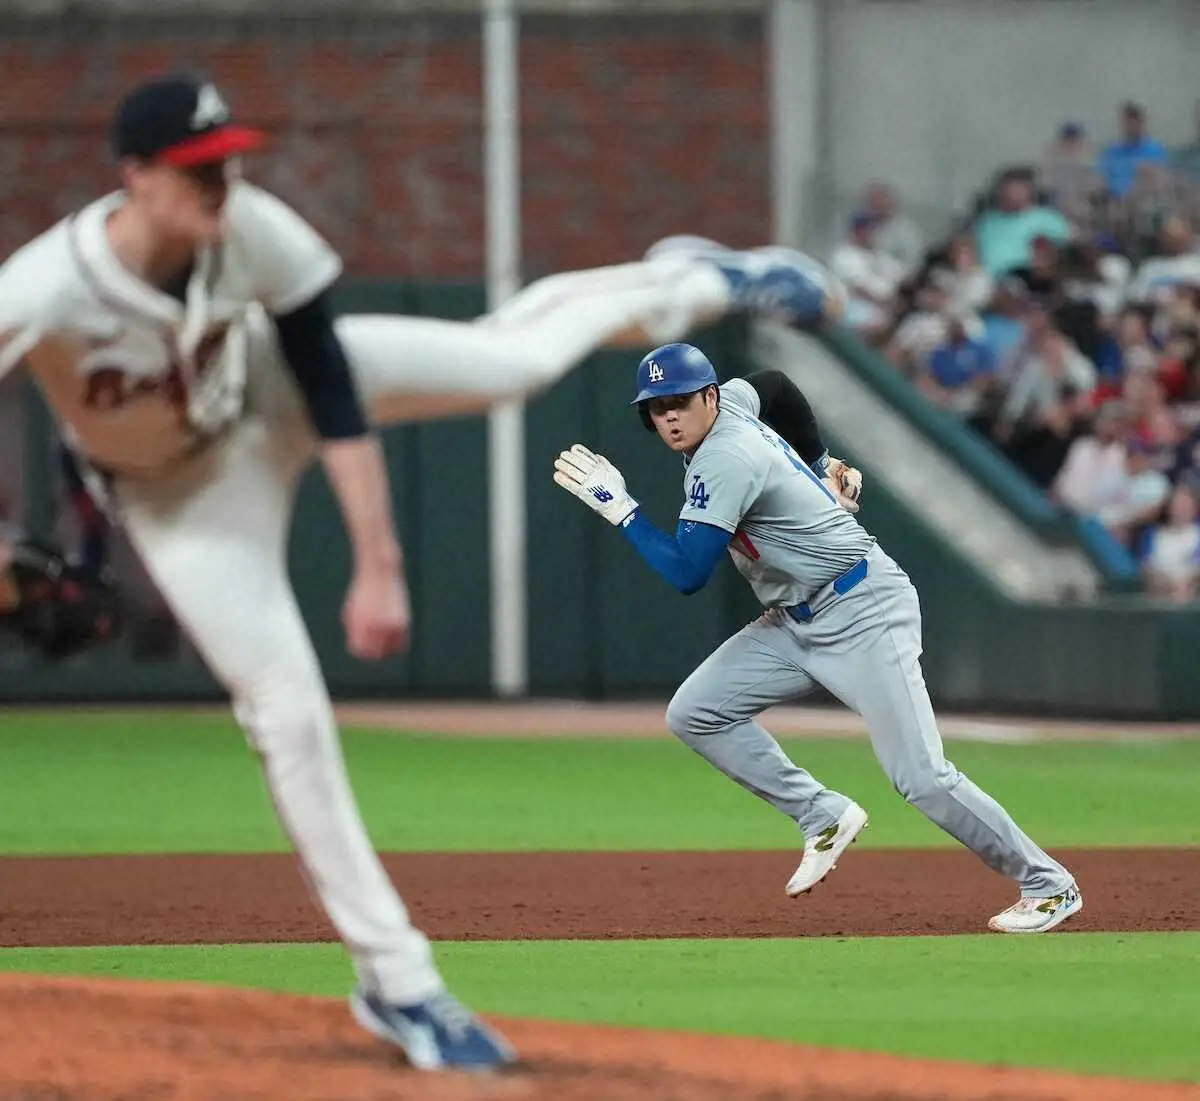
{"x":687,"y":558}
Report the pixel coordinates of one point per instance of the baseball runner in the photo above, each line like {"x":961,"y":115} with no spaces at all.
{"x":181,"y":332}
{"x":839,"y":612}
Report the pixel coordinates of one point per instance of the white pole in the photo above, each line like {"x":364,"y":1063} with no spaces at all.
{"x":795,"y":96}
{"x":506,"y":424}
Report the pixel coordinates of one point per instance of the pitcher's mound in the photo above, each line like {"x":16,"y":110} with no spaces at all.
{"x":85,"y":1040}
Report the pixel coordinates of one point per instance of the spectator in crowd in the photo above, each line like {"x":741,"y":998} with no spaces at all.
{"x":950,"y":284}
{"x":1042,"y":276}
{"x":1114,"y":267}
{"x":1127,"y":348}
{"x":1087,"y":302}
{"x":923,"y":328}
{"x":1086,"y":374}
{"x":968,"y":285}
{"x":870,"y":275}
{"x":1094,"y":470}
{"x":1158,"y":194}
{"x":1139,"y":498}
{"x":1186,"y":464}
{"x":1005,"y":231}
{"x":1004,"y":322}
{"x":1145,"y":398}
{"x":1092,"y":274}
{"x":1179,"y":368}
{"x":1120,"y":161}
{"x":1049,"y":399}
{"x":1177,"y":262}
{"x":961,"y":371}
{"x":1170,"y":551}
{"x":1068,"y":178}
{"x":1161,"y":436}
{"x":895,"y":233}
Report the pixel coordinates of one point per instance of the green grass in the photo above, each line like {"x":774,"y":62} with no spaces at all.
{"x":1120,"y":1004}
{"x":185,"y":782}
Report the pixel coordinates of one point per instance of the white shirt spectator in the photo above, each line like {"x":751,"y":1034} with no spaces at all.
{"x":1092,"y":476}
{"x":1144,"y":490}
{"x":869,"y":270}
{"x":1174,"y":551}
{"x":1157,"y":277}
{"x":919,"y":333}
{"x":895,"y":233}
{"x":969,"y":292}
{"x":900,"y":238}
{"x":1039,"y":384}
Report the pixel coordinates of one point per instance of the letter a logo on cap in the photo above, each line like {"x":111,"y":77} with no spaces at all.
{"x":210,"y":109}
{"x":656,"y":372}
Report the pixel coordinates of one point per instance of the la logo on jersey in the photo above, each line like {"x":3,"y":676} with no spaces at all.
{"x":210,"y":109}
{"x":698,"y":498}
{"x":656,"y":372}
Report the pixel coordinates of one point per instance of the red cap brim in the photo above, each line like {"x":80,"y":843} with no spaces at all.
{"x":216,"y":145}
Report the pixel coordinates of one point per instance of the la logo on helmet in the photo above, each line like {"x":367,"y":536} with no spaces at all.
{"x":656,"y":372}
{"x":210,"y":109}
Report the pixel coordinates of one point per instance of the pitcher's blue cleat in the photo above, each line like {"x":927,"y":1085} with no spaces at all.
{"x":439,"y":1033}
{"x":773,"y":281}
{"x":778,"y":283}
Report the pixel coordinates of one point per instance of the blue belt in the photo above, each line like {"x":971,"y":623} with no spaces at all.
{"x":803,"y":613}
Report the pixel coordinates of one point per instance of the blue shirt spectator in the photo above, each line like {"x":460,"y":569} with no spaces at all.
{"x":1002,"y":335}
{"x":1120,"y":161}
{"x":1109,"y":359}
{"x":958,"y":362}
{"x":1004,"y":323}
{"x":959,"y":370}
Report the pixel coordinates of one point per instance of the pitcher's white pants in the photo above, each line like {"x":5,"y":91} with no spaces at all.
{"x":213,"y":535}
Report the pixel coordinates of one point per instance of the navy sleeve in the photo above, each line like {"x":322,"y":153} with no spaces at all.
{"x":687,"y":558}
{"x":783,"y":406}
{"x":316,"y":359}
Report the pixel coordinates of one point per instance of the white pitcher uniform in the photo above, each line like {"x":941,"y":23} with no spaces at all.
{"x":186,"y":419}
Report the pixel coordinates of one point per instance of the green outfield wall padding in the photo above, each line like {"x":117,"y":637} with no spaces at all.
{"x":601,"y":625}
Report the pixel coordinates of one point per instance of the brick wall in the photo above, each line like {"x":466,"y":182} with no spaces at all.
{"x":632,"y":127}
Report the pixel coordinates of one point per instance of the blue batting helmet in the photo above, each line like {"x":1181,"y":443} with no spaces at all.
{"x":670,"y":370}
{"x":673,"y":369}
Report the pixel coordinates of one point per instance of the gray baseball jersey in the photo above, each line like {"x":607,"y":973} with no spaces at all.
{"x":790,"y":536}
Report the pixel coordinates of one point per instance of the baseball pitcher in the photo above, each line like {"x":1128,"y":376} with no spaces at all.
{"x":181,"y":331}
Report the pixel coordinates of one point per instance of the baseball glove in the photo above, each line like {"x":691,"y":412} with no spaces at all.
{"x":844,"y":482}
{"x":53,"y":606}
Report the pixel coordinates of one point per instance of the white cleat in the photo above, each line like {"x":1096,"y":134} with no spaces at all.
{"x":1038,"y":915}
{"x":822,"y":851}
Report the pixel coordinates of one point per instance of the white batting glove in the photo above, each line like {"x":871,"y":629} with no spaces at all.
{"x":596,"y":482}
